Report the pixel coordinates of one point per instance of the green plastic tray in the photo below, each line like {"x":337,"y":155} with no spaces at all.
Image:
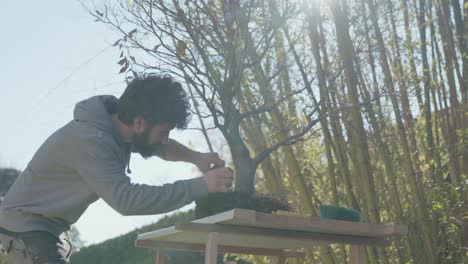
{"x":339,"y":213}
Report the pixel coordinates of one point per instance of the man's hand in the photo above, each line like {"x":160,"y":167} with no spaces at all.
{"x":206,"y":161}
{"x":218,"y":179}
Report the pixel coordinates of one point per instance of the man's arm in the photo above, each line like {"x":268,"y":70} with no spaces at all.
{"x":174,"y":151}
{"x":103,"y":172}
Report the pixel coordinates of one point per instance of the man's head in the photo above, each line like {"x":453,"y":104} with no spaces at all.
{"x":152,"y":106}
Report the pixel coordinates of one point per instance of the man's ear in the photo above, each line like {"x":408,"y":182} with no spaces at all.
{"x":139,"y":124}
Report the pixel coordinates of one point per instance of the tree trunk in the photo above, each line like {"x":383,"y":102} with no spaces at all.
{"x":454,"y":103}
{"x":419,"y":197}
{"x":255,"y":137}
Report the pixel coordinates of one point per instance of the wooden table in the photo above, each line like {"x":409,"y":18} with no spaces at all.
{"x":278,"y":236}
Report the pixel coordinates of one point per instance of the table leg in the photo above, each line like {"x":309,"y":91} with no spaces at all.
{"x":357,"y":254}
{"x":211,"y":251}
{"x":277,"y":260}
{"x":160,"y":256}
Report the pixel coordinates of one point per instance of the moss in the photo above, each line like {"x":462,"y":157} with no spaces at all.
{"x":220,"y":202}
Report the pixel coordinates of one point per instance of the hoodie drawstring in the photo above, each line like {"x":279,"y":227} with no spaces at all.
{"x":128,"y":164}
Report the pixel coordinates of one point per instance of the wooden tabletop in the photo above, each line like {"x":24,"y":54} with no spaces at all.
{"x":240,"y":228}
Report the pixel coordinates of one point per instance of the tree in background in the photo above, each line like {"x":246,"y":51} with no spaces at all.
{"x":7,"y":178}
{"x":382,"y":83}
{"x":212,"y":47}
{"x":76,"y":239}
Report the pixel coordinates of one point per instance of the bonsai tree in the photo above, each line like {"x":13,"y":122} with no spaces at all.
{"x":221,"y":50}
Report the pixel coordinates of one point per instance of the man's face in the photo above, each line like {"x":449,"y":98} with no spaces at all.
{"x":147,"y":141}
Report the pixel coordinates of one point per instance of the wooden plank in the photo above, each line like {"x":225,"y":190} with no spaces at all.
{"x":144,"y":243}
{"x":242,"y":240}
{"x":160,"y":233}
{"x":277,"y":260}
{"x":282,"y":260}
{"x":251,"y":218}
{"x":300,"y":223}
{"x":160,"y":257}
{"x":218,"y":218}
{"x":211,"y":252}
{"x":269,"y":233}
{"x":357,"y":254}
{"x":221,"y":249}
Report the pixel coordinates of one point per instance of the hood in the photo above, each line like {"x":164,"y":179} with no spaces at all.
{"x":97,"y":111}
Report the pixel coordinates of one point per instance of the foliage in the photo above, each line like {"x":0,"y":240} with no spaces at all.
{"x":221,"y":202}
{"x":7,"y":177}
{"x":122,"y":250}
{"x":353,"y":103}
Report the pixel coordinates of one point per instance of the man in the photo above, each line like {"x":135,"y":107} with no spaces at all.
{"x":86,"y":159}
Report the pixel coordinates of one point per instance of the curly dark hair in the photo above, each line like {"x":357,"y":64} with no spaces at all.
{"x":158,"y":99}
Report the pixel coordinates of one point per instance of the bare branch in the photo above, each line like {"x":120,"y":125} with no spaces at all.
{"x":288,"y":140}
{"x":267,"y":107}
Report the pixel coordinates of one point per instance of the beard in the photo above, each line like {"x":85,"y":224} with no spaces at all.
{"x":141,"y":144}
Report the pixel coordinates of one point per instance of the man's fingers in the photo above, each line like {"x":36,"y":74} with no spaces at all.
{"x":219,"y":179}
{"x":224,"y":172}
{"x":225,"y":187}
{"x":217,"y":161}
{"x":222,"y":189}
{"x":226,"y":180}
{"x":223,"y":181}
{"x":227,"y":177}
{"x":228,"y":172}
{"x":224,"y":184}
{"x":228,"y":185}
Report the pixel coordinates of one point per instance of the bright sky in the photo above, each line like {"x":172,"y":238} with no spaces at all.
{"x":53,"y":55}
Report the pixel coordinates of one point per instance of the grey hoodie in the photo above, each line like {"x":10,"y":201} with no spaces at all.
{"x":81,"y":162}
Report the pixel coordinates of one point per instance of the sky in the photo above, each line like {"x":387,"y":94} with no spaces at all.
{"x":54,"y":55}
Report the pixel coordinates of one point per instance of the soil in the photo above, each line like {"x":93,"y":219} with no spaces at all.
{"x":216,"y":203}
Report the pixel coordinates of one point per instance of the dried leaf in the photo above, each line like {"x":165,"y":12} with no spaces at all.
{"x":180,"y":14}
{"x":156,"y":47}
{"x":116,"y":43}
{"x":180,"y":48}
{"x":122,"y":61}
{"x":124,"y":68}
{"x":132,"y":32}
